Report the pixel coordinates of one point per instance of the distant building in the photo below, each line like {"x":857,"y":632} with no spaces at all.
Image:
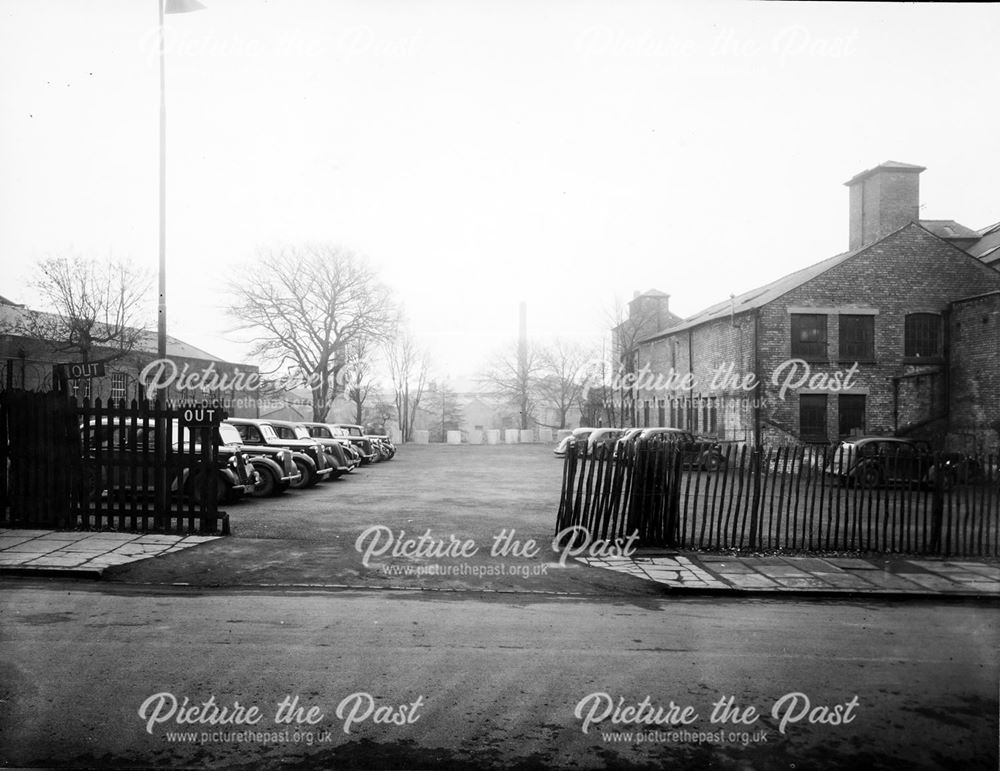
{"x":27,"y":362}
{"x":874,"y":340}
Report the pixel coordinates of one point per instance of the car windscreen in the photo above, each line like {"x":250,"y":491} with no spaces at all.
{"x":320,"y":431}
{"x":301,"y":432}
{"x":267,"y":431}
{"x":228,"y":434}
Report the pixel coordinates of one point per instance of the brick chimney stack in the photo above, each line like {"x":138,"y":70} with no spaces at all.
{"x":883,"y":199}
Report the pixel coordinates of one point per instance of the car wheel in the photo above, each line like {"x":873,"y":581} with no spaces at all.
{"x":948,"y":480}
{"x":267,"y":486}
{"x":714,"y":463}
{"x":868,"y":476}
{"x":305,"y":475}
{"x":222,"y":490}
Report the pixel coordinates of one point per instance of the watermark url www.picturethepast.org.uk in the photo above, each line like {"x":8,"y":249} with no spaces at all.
{"x":380,"y":541}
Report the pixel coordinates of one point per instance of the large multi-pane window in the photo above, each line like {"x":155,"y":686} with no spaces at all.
{"x":857,"y":338}
{"x":119,"y":385}
{"x":922,"y":338}
{"x":851,"y":413}
{"x":809,"y":336}
{"x":812,"y":417}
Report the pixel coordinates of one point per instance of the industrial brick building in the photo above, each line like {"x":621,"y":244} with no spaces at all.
{"x":882,"y":339}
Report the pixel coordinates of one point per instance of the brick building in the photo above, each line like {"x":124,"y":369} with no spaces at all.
{"x":974,"y":396}
{"x":27,"y":362}
{"x":867,"y":341}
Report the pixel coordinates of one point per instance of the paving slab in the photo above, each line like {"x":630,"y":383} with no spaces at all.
{"x":27,"y":551}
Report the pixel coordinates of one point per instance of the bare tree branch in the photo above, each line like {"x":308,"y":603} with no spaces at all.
{"x":95,"y":308}
{"x":408,"y":368}
{"x":306,"y":305}
{"x":513,"y":384}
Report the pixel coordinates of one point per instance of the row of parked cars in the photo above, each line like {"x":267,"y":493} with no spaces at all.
{"x":258,"y":457}
{"x":697,"y":452}
{"x":865,"y":461}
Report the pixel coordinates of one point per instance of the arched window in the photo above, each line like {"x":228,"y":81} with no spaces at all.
{"x":922,"y":339}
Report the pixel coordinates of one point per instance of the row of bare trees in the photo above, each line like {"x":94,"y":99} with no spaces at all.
{"x":538,"y":378}
{"x":321,"y":319}
{"x":316,"y":314}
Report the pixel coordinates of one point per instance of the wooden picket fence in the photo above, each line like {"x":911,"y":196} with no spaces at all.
{"x":122,"y":466}
{"x":777,"y":499}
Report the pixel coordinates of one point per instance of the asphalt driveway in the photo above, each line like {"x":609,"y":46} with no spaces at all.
{"x":465,"y":497}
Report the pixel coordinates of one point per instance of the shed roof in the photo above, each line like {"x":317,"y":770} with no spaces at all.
{"x":987,"y":248}
{"x":949,"y":229}
{"x":887,"y":165}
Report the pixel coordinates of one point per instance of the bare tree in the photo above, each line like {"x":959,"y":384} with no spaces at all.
{"x":307,"y":305}
{"x":445,"y":410}
{"x":512,"y":377}
{"x":96,"y":308}
{"x":563,"y":373}
{"x":359,"y":380}
{"x":408,"y":368}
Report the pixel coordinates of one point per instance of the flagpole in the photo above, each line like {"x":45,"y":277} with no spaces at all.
{"x":161,"y":337}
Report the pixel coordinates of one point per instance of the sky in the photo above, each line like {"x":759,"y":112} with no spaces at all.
{"x":483,"y":153}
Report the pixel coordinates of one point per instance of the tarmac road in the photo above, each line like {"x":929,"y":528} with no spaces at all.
{"x":487,"y":680}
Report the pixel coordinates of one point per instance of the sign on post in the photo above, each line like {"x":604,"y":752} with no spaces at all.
{"x":198,"y":416}
{"x":85,"y":369}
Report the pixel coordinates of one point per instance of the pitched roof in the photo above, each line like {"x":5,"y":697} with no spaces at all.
{"x":762,"y":295}
{"x":755,"y":298}
{"x":11,"y":314}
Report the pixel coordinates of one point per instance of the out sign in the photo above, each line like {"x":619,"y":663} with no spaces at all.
{"x":88,"y":369}
{"x":201,"y":417}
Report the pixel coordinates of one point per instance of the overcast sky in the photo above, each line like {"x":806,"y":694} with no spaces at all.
{"x":481,"y":153}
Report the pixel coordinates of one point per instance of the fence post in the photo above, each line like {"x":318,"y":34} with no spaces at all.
{"x":937,"y":512}
{"x":755,"y":464}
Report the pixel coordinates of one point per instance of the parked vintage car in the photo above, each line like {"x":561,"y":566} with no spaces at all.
{"x":334,"y":441}
{"x":629,"y":435}
{"x":603,"y":440}
{"x":307,"y":455}
{"x":874,"y":461}
{"x":383,"y":445}
{"x":578,"y":438}
{"x":120,"y":456}
{"x":276,"y":471}
{"x":696,"y":452}
{"x":336,"y":460}
{"x":359,"y":439}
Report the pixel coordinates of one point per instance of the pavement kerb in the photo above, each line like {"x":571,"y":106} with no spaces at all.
{"x":725,"y":583}
{"x":92,"y":574}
